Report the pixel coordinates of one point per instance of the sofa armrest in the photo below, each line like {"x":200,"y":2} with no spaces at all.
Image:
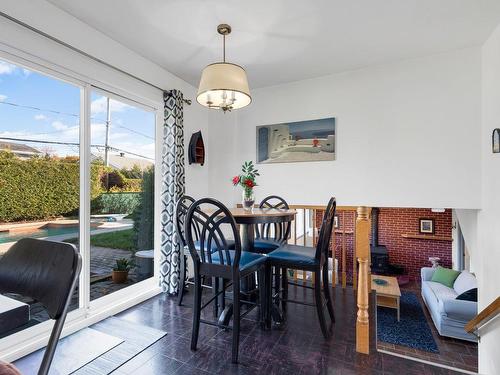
{"x":426,"y":273}
{"x":458,"y":309}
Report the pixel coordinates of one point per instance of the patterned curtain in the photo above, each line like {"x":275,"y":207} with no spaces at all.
{"x":172,"y":188}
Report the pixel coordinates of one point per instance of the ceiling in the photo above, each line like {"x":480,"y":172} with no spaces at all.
{"x":280,"y":41}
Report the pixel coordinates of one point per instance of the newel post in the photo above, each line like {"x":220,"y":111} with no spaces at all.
{"x":363,"y":255}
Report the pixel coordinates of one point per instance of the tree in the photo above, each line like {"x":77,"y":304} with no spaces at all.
{"x":144,"y":213}
{"x":112,"y":179}
{"x":134,"y":172}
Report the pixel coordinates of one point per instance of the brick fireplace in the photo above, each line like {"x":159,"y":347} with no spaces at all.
{"x":397,"y":228}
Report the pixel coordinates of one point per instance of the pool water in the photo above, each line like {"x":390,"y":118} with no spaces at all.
{"x":36,"y":233}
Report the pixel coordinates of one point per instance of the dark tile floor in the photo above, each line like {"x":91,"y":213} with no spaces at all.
{"x":296,"y":348}
{"x":452,"y":352}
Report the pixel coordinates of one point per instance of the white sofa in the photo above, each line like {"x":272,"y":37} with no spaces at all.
{"x":449,"y":314}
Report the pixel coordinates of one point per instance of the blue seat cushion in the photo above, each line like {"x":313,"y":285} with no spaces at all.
{"x":294,"y":255}
{"x":247,"y":259}
{"x":265,"y":246}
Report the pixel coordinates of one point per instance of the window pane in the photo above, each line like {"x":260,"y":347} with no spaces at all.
{"x":39,"y":169}
{"x":122,"y":197}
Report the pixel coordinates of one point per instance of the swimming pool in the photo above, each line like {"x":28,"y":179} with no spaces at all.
{"x":40,"y":232}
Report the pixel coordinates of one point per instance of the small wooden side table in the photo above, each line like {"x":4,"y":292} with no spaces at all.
{"x":388,"y":295}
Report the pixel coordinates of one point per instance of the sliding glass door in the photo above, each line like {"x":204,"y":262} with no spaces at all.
{"x":77,"y":165}
{"x":39,"y":172}
{"x":122,"y":141}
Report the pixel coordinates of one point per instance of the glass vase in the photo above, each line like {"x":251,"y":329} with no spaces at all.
{"x":247,"y":199}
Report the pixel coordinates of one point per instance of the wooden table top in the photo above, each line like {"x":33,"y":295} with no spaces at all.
{"x":389,"y":289}
{"x":261,"y":212}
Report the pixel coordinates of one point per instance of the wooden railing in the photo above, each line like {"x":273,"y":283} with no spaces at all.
{"x":488,"y":313}
{"x":308,"y":215}
{"x":361,"y":275}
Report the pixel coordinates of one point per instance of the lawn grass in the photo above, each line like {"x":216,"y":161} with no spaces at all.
{"x":122,"y":239}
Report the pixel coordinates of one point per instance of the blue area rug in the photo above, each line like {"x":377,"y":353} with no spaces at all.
{"x":412,"y":330}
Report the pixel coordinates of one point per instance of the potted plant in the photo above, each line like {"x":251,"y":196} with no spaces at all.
{"x":121,"y":270}
{"x":247,"y":181}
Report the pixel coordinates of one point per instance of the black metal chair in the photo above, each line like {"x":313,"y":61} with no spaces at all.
{"x":47,"y":272}
{"x":180,"y":217}
{"x":308,"y":259}
{"x":270,"y":236}
{"x":210,"y":222}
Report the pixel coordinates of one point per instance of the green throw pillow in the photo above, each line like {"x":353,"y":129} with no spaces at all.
{"x":445,"y":276}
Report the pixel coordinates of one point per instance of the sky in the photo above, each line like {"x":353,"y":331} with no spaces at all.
{"x":55,"y":115}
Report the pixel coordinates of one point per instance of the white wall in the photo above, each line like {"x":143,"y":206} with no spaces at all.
{"x":403,"y":128}
{"x":488,"y":259}
{"x":222,"y":150}
{"x":57,"y":23}
{"x":468,"y":224}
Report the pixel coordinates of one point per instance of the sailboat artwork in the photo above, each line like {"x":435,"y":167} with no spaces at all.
{"x":312,"y":140}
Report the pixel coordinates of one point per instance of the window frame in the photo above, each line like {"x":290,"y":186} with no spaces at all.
{"x":89,"y":312}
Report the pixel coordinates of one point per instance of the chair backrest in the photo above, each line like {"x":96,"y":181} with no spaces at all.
{"x":180,"y":216}
{"x":275,"y":231}
{"x":325,"y":233}
{"x":209,"y":222}
{"x":47,"y":272}
{"x":42,"y":270}
{"x":274,"y":201}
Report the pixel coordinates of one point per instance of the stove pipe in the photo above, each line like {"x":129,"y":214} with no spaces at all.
{"x":374,"y":227}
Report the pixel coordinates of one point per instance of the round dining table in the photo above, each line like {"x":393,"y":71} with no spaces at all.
{"x":247,"y":219}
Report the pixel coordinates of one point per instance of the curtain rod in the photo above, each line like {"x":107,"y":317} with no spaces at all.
{"x":81,"y":52}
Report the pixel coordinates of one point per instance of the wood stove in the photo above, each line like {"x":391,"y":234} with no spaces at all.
{"x":379,"y":254}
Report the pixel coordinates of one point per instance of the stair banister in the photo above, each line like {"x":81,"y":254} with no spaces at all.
{"x":488,"y":313}
{"x":363,"y":255}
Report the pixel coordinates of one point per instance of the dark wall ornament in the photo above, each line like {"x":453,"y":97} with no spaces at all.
{"x":196,"y":152}
{"x":495,"y":141}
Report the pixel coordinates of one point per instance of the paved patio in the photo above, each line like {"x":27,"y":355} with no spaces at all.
{"x":102,"y":261}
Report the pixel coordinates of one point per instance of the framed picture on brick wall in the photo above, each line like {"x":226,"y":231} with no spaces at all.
{"x":426,"y":226}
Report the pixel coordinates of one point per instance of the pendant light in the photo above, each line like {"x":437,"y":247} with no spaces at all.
{"x":224,"y":85}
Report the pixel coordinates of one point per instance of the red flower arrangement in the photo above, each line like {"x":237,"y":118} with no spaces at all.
{"x":249,"y":183}
{"x":247,"y":178}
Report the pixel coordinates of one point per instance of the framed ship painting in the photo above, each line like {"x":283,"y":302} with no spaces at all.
{"x":312,"y":140}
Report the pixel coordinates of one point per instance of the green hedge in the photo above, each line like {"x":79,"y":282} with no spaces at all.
{"x":116,"y":203}
{"x":41,"y":187}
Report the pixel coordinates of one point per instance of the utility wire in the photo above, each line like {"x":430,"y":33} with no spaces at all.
{"x":74,"y":144}
{"x":69,"y":114}
{"x":48,"y":133}
{"x":134,"y":131}
{"x":38,"y":109}
{"x":46,"y":110}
